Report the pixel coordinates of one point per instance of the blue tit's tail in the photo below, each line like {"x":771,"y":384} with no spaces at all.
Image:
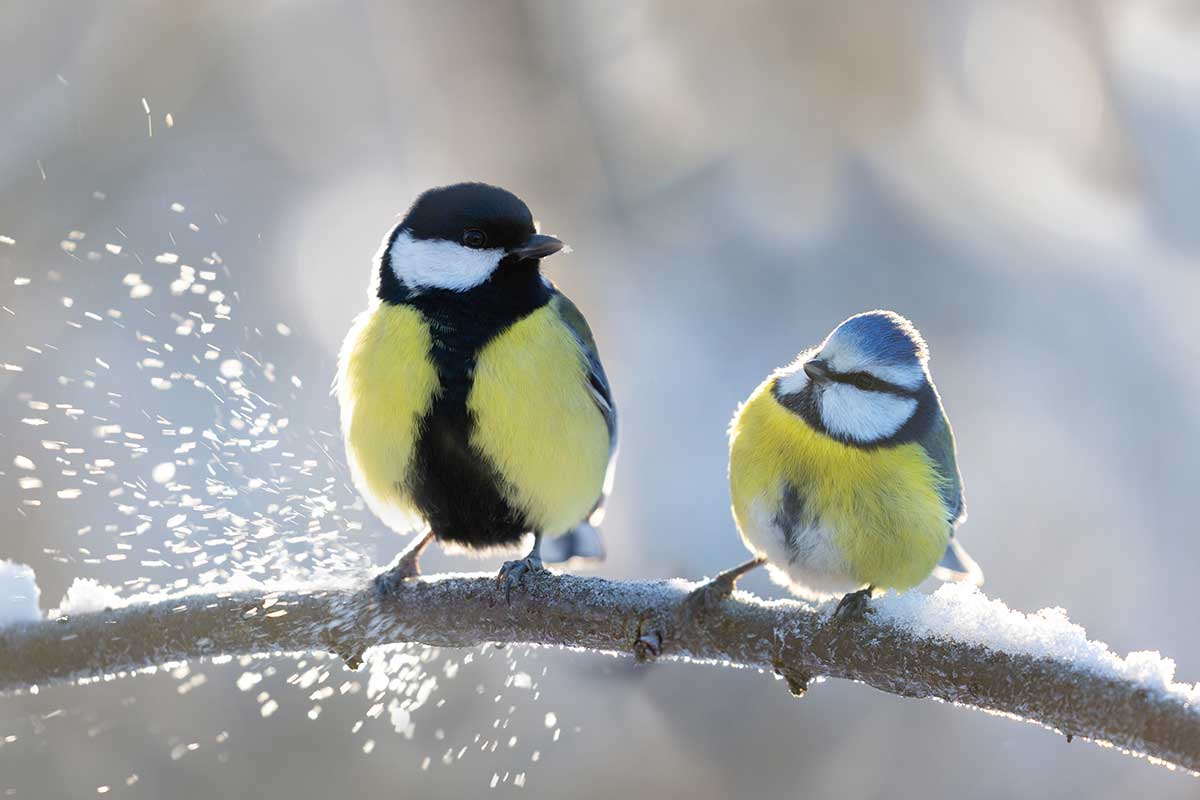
{"x":582,"y":542}
{"x":957,"y":565}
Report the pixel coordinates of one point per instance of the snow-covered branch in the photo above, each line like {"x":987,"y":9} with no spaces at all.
{"x":955,"y":645}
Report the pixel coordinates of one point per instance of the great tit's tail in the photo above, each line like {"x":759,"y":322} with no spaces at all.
{"x":957,"y":565}
{"x":582,"y":542}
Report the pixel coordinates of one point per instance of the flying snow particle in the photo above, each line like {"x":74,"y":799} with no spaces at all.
{"x":231,"y":368}
{"x":23,"y":462}
{"x":248,"y":679}
{"x":164,"y":472}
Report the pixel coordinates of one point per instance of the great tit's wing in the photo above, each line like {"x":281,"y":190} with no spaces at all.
{"x":938,"y":442}
{"x":583,"y":541}
{"x":597,"y":380}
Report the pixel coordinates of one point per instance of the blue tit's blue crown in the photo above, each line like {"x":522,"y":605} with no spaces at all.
{"x":884,"y":336}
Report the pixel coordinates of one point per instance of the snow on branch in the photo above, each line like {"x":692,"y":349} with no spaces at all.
{"x":956,"y":645}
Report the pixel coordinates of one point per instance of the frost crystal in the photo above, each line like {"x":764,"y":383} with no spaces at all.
{"x":19,"y":593}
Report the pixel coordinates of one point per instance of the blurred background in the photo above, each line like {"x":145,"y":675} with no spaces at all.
{"x":190,"y":197}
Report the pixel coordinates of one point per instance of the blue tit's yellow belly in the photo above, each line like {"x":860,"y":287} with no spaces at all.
{"x":873,"y":515}
{"x":535,"y":420}
{"x":387,"y":382}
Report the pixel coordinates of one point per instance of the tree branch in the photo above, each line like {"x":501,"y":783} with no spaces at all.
{"x":790,"y":638}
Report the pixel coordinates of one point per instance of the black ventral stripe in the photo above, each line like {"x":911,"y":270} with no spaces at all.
{"x":457,"y":489}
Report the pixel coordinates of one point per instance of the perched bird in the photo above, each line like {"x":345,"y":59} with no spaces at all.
{"x":472,"y":395}
{"x":842,"y":468}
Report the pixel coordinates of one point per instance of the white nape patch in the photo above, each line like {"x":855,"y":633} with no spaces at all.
{"x":843,"y":356}
{"x":19,"y":593}
{"x":863,"y":416}
{"x":818,"y":570}
{"x":441,"y":264}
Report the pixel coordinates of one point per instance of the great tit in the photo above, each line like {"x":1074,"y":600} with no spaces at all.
{"x":472,"y":396}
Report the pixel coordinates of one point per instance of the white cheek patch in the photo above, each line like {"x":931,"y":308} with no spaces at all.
{"x":439,"y":264}
{"x":863,"y":416}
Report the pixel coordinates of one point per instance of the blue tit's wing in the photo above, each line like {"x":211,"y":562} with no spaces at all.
{"x":583,"y":541}
{"x":938,"y":442}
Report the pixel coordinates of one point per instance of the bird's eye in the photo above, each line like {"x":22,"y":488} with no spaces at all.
{"x":474,"y":238}
{"x":863,"y":381}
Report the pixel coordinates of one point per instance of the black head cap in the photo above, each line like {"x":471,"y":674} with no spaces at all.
{"x":449,"y":212}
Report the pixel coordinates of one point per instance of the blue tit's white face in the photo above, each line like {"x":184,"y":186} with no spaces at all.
{"x":864,"y":382}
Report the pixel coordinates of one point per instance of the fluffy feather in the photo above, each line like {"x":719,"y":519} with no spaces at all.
{"x":879,"y":510}
{"x":552,"y":448}
{"x":386,"y":383}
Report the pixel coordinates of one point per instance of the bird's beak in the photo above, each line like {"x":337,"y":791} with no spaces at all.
{"x":816,"y":369}
{"x":537,"y":246}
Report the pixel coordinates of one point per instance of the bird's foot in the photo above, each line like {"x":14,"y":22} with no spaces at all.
{"x":854,"y":605}
{"x":512,"y":573}
{"x":406,"y":568}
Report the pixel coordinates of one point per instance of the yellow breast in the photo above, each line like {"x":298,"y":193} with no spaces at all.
{"x":386,"y":383}
{"x":536,"y":421}
{"x":882,"y":505}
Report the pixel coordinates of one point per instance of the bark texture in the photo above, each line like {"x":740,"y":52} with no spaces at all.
{"x":648,"y":620}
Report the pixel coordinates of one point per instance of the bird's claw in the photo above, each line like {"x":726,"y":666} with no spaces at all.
{"x":854,"y":605}
{"x":512,"y":573}
{"x":407,"y":568}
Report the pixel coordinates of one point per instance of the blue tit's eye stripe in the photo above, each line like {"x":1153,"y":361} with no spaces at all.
{"x":870,"y":383}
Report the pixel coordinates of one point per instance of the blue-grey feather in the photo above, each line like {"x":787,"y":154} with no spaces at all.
{"x":938,"y":443}
{"x":884,"y":335}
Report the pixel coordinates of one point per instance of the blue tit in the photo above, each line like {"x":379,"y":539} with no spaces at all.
{"x":472,"y":396}
{"x":842,"y":468}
